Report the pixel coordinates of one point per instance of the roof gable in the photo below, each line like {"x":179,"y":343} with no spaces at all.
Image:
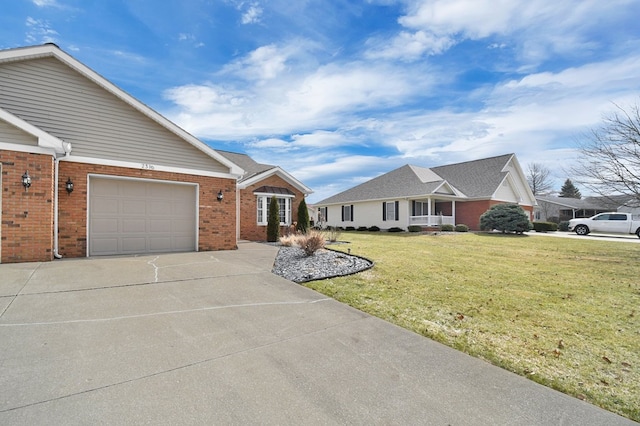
{"x":256,"y":172}
{"x":109,"y":123}
{"x":476,"y":179}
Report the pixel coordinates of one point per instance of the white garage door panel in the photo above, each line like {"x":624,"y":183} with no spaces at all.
{"x":131,"y":216}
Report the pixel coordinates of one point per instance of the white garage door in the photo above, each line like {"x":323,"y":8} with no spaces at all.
{"x":135,"y":216}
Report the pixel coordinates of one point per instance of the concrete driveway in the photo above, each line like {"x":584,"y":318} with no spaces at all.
{"x":215,"y":338}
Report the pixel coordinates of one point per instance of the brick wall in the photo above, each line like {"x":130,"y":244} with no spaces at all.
{"x":26,"y":233}
{"x":469,"y":213}
{"x":249,"y":228}
{"x":216,"y":228}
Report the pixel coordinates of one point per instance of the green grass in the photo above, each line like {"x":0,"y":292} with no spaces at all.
{"x":562,"y":312}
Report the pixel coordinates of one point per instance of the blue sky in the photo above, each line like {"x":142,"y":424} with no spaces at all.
{"x":337,"y":92}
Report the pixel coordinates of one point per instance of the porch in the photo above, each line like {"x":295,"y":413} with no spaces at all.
{"x":432,"y":212}
{"x":432,"y":220}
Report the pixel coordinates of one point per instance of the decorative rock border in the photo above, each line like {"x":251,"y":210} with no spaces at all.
{"x":292,"y":263}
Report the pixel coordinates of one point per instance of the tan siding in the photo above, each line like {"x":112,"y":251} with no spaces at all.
{"x":52,"y":96}
{"x":11,"y":134}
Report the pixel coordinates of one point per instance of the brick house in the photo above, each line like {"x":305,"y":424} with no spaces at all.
{"x":430,"y":197}
{"x":256,"y":187}
{"x":86,"y":169}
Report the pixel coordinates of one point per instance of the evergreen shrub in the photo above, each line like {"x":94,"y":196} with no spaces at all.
{"x":505,"y":218}
{"x":273,"y":221}
{"x":462,"y":228}
{"x":545,"y":226}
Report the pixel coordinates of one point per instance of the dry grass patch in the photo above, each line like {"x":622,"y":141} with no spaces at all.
{"x":563,"y":312}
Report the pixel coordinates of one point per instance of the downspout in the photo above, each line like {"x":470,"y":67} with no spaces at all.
{"x":56,"y":173}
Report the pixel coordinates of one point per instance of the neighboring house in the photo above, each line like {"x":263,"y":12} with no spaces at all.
{"x":558,"y":209}
{"x":140,"y":184}
{"x":429,"y":197}
{"x":256,"y":187}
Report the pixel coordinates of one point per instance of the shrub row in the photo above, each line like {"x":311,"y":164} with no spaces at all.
{"x":412,"y":228}
{"x":545,"y":226}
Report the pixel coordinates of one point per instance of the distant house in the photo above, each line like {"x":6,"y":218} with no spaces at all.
{"x":558,"y":209}
{"x":256,"y":187}
{"x":88,"y":170}
{"x":430,"y":197}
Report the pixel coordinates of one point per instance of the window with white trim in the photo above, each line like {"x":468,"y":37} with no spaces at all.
{"x":390,"y":211}
{"x":421,"y":208}
{"x":284,"y":209}
{"x":323,"y":214}
{"x":347,"y":213}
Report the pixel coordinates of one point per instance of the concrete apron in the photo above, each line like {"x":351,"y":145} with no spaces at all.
{"x":214,"y":337}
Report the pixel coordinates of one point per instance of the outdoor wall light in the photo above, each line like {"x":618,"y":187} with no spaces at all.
{"x":26,"y":180}
{"x":69,"y":186}
{"x":220,"y":195}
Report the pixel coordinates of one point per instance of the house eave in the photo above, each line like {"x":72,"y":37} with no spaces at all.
{"x":279,"y":172}
{"x":45,"y":140}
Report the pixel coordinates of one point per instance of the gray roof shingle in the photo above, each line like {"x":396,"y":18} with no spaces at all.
{"x":479,"y":178}
{"x":248,"y":164}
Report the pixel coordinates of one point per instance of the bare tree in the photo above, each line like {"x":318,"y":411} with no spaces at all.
{"x":609,"y":162}
{"x":538,"y":178}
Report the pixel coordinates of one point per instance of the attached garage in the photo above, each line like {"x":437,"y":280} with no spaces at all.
{"x":136,"y":216}
{"x":109,"y":175}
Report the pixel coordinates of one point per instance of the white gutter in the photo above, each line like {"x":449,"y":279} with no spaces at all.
{"x":56,"y":245}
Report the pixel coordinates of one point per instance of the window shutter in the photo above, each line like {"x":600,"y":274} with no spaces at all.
{"x":396,"y":209}
{"x":352,"y":216}
{"x":384,"y":211}
{"x":413,"y":208}
{"x":326,"y":214}
{"x":343,"y":213}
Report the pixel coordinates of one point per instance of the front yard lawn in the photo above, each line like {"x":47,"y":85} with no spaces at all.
{"x":562,"y":312}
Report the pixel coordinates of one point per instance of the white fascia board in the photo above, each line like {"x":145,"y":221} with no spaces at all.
{"x":522,"y":177}
{"x":45,"y":140}
{"x":456,"y":192}
{"x":559,"y":204}
{"x":142,"y":166}
{"x":280,"y":172}
{"x":51,"y":50}
{"x":268,"y":194}
{"x":31,"y":149}
{"x":509,"y":179}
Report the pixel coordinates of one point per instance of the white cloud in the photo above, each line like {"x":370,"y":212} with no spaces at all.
{"x":409,"y":46}
{"x":252,"y":14}
{"x":39,"y":31}
{"x":264,"y":63}
{"x":46,"y":3}
{"x":295,"y":99}
{"x":538,"y":27}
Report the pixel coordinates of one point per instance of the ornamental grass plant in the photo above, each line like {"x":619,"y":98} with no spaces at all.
{"x":562,"y":312}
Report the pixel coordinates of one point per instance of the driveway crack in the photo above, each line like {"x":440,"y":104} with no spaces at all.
{"x":20,"y":291}
{"x":186,"y":366}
